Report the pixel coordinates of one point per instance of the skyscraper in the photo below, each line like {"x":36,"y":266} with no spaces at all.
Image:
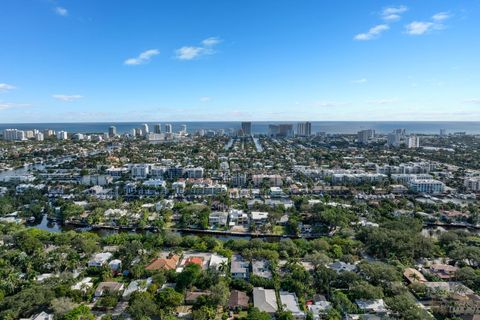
{"x":157,"y":128}
{"x":393,"y":139}
{"x":112,"y":131}
{"x":145,"y":128}
{"x":247,"y":128}
{"x":304,"y":129}
{"x":413,"y":142}
{"x":168,"y":128}
{"x":365,"y":136}
{"x":183,"y":128}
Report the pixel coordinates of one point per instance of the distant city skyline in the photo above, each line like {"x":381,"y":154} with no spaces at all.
{"x":92,"y":61}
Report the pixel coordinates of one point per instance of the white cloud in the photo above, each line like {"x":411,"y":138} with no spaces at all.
{"x":441,"y":16}
{"x":383,"y":101}
{"x":373,"y":33}
{"x":142,"y":58}
{"x":194,"y":52}
{"x":360,"y":81}
{"x":326,"y":104}
{"x":66,"y":97}
{"x":212,"y":41}
{"x":61,"y":11}
{"x":473,"y":101}
{"x":393,"y":13}
{"x":422,"y":27}
{"x":189,"y":53}
{"x":4,"y":87}
{"x":417,"y":28}
{"x":9,"y":105}
{"x":205,"y":99}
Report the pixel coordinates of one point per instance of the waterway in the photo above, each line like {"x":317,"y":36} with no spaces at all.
{"x":54,"y":226}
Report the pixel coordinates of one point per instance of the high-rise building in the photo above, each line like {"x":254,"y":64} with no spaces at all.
{"x":145,"y":128}
{"x":247,"y":128}
{"x":443,"y":132}
{"x":183,"y":128}
{"x":285,"y":130}
{"x":112,"y":131}
{"x":48,"y":132}
{"x":168,"y":128}
{"x":413,"y":142}
{"x":62,"y":135}
{"x":304,"y":129}
{"x":134,"y":132}
{"x":393,"y":139}
{"x":364,"y":136}
{"x":400,"y":132}
{"x":157,"y":128}
{"x":14,"y":134}
{"x":39,"y":136}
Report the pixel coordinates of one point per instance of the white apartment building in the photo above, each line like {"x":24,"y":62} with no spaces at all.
{"x":39,"y":136}
{"x":274,"y":180}
{"x":62,"y":135}
{"x":426,"y":186}
{"x":365,"y":136}
{"x":472,"y":184}
{"x":413,"y":142}
{"x":194,"y":173}
{"x":14,"y":135}
{"x":140,"y":171}
{"x":405,"y":178}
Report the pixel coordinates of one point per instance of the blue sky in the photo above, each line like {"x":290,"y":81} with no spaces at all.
{"x":182,"y":60}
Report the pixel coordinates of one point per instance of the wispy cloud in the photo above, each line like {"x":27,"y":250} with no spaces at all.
{"x":373,"y":33}
{"x":472,"y":101}
{"x":4,"y":87}
{"x":391,"y":14}
{"x":383,"y":101}
{"x":66,"y":97}
{"x":441,"y":16}
{"x":142,"y":58}
{"x":205,"y":99}
{"x":9,"y":105}
{"x":212,"y":41}
{"x":61,"y":11}
{"x":417,"y":28}
{"x":194,"y":52}
{"x":327,"y":104}
{"x":360,"y":81}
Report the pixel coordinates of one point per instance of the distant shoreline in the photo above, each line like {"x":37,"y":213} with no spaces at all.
{"x":261,"y":127}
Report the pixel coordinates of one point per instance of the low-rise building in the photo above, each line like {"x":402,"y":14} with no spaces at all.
{"x":265,"y":300}
{"x":289,"y":303}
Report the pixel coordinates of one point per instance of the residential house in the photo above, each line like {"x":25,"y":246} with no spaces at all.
{"x":443,"y":271}
{"x":259,"y":218}
{"x":218,"y":262}
{"x":289,"y":302}
{"x":192,"y":296}
{"x":265,"y":300}
{"x":99,"y":259}
{"x":239,"y":267}
{"x":238,"y":217}
{"x":260,"y":268}
{"x":238,"y":300}
{"x":218,"y":219}
{"x":340,"y":266}
{"x":165,"y":263}
{"x":413,"y":275}
{"x":136,"y":285}
{"x":108,"y":287}
{"x":376,"y":307}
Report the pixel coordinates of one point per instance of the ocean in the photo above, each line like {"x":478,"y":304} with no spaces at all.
{"x":332,"y":127}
